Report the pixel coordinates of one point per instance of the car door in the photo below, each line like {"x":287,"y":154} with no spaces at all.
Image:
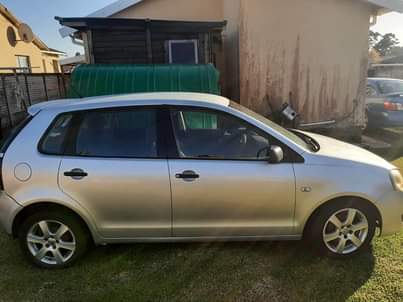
{"x":222,"y":183}
{"x":115,"y":169}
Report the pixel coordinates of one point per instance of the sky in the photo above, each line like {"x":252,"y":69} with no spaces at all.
{"x":390,"y":23}
{"x":39,"y":14}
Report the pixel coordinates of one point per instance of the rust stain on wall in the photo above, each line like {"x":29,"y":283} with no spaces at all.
{"x":311,"y":61}
{"x":295,"y":71}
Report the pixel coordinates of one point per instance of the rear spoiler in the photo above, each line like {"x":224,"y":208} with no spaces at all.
{"x":33,"y":110}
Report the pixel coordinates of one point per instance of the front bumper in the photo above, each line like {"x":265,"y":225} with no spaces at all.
{"x":8,"y":210}
{"x":391,"y":209}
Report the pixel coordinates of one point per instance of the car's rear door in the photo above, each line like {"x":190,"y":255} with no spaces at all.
{"x":222,"y":183}
{"x":116,"y":169}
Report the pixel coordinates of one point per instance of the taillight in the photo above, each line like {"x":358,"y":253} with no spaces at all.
{"x":389,"y":106}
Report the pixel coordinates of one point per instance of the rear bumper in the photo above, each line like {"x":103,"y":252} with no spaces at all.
{"x":8,"y":210}
{"x":391,"y":209}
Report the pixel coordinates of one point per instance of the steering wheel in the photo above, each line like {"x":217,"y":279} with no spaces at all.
{"x":259,"y":153}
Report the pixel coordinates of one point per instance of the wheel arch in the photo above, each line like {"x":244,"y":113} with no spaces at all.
{"x":40,"y":206}
{"x":362,"y":200}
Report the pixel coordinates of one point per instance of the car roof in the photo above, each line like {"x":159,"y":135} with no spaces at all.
{"x":155,"y":98}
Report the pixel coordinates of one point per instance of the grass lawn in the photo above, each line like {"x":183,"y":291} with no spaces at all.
{"x":273,"y":271}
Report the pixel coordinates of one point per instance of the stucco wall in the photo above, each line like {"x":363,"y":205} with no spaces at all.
{"x":8,"y":53}
{"x":312,"y":54}
{"x":186,"y":10}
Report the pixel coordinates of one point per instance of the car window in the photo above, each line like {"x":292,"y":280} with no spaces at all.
{"x":119,"y":133}
{"x":217,"y":135}
{"x":200,"y":120}
{"x":288,"y":134}
{"x":53,"y":141}
{"x":390,"y":86}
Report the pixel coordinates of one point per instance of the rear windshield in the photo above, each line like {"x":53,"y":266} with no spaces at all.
{"x":390,"y":86}
{"x":10,"y":135}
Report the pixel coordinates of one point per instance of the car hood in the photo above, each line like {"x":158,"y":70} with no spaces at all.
{"x":335,"y":152}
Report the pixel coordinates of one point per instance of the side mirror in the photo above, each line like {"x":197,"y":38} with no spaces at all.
{"x":276,"y":155}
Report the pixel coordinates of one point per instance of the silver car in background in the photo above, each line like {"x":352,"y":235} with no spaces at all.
{"x":170,"y":167}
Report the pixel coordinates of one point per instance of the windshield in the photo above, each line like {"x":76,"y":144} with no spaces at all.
{"x":390,"y":86}
{"x":288,"y":134}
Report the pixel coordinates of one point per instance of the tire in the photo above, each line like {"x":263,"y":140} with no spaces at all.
{"x":58,"y":238}
{"x":327,"y":239}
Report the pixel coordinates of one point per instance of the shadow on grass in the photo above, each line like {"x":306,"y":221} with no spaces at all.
{"x":265,"y":271}
{"x":279,"y":271}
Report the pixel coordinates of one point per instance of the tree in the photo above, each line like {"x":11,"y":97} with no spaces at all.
{"x":373,"y":38}
{"x":383,"y":44}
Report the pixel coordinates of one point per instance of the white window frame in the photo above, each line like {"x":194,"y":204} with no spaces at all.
{"x":23,"y":69}
{"x":195,"y":43}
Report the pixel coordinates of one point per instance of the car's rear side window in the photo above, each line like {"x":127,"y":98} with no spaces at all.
{"x":53,"y":140}
{"x":130,"y":133}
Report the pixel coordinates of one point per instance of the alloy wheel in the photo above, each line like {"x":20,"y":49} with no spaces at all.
{"x":345,"y":231}
{"x":51,"y":242}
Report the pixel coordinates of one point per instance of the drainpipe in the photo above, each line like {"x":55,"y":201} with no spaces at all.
{"x":76,"y":41}
{"x":81,"y":43}
{"x":373,"y":19}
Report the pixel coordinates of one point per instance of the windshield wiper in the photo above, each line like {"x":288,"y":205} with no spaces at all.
{"x":313,"y":143}
{"x":307,"y":139}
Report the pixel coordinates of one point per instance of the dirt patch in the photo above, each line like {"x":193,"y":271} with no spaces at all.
{"x":266,"y":290}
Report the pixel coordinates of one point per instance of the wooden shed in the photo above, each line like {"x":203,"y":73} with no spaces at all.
{"x":145,"y":41}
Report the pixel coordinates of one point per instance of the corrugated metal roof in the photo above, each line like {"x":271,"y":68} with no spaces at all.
{"x":73,"y":60}
{"x":389,"y":5}
{"x":141,"y":24}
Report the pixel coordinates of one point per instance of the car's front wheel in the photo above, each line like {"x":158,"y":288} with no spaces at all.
{"x":53,"y":239}
{"x":342,"y":228}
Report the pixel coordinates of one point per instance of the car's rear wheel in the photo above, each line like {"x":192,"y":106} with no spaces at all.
{"x":53,"y":239}
{"x":342,"y":228}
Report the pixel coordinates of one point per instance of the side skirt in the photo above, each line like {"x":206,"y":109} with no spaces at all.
{"x":105,"y":241}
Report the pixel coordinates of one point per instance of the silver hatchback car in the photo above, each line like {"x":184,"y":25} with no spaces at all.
{"x":169,"y":167}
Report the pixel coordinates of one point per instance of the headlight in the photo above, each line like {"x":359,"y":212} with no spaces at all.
{"x":397,"y":180}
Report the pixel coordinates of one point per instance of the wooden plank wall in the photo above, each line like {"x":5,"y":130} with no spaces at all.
{"x":33,"y":88}
{"x":130,"y":46}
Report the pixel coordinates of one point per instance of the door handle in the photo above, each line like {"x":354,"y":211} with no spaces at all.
{"x":76,"y":174}
{"x":187,"y":175}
